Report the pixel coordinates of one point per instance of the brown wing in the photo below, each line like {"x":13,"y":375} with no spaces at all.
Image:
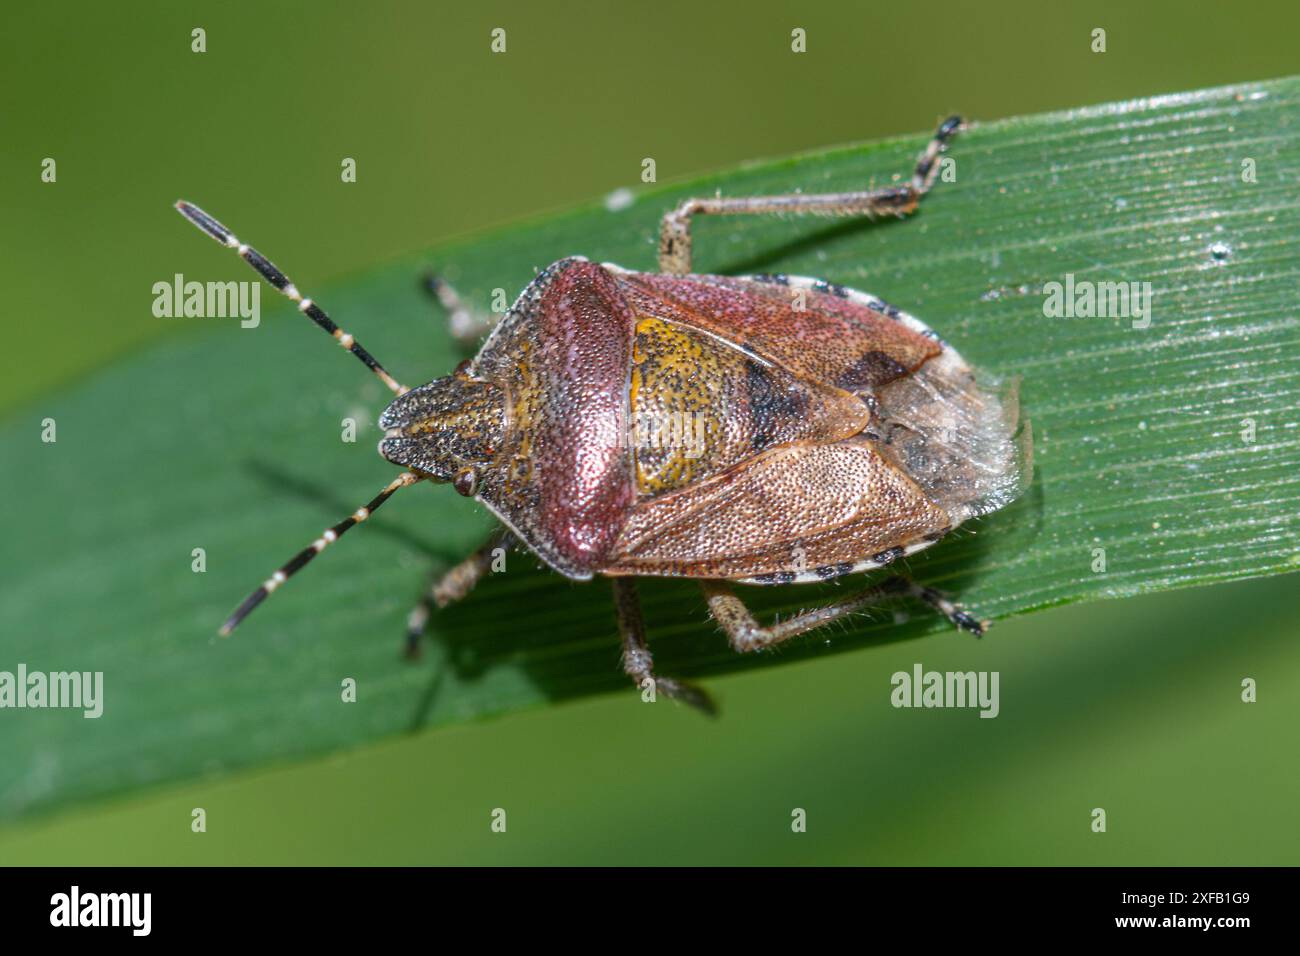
{"x":956,"y":433}
{"x":795,"y":509}
{"x":818,"y":335}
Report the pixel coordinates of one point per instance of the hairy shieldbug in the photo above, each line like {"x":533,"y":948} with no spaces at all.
{"x":833,"y":432}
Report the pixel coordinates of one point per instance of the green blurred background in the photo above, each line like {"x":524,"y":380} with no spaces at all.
{"x":1132,"y":706}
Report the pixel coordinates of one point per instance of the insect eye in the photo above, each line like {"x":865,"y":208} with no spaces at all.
{"x":465,"y":482}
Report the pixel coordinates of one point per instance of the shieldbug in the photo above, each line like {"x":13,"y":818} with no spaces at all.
{"x":820,"y":431}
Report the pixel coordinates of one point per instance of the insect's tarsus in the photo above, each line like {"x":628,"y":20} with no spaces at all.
{"x":926,"y":170}
{"x":466,"y":327}
{"x":280,"y":282}
{"x":301,"y":559}
{"x":675,"y":229}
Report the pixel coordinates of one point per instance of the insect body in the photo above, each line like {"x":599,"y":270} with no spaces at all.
{"x":763,"y":429}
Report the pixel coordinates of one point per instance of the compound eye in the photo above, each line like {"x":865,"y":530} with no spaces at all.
{"x":466,"y":482}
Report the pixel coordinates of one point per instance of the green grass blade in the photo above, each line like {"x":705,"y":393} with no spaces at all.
{"x":1173,"y":448}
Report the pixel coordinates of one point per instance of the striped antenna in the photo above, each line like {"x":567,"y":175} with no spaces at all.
{"x":280,"y":282}
{"x":303,"y":557}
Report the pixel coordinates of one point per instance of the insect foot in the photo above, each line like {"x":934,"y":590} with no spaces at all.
{"x":746,"y":634}
{"x":939,"y":601}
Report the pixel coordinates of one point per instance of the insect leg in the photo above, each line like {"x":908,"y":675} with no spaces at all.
{"x":675,"y":231}
{"x":303,"y":557}
{"x":280,"y":282}
{"x":746,"y":634}
{"x":466,"y":326}
{"x":637,"y":660}
{"x":940,"y":602}
{"x":451,"y":586}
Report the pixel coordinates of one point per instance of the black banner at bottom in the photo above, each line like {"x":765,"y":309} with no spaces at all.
{"x":336,"y":905}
